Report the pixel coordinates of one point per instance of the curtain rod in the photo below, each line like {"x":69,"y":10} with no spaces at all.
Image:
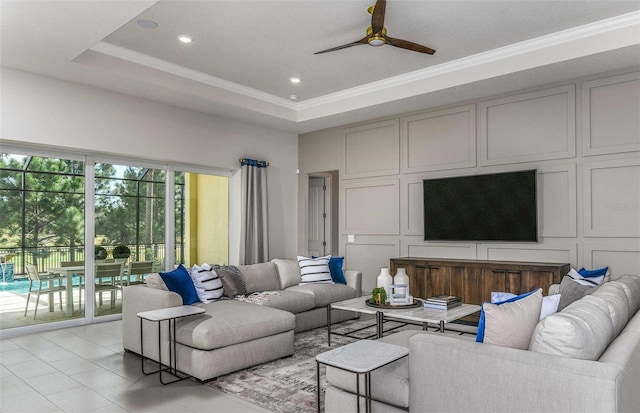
{"x":245,"y":159}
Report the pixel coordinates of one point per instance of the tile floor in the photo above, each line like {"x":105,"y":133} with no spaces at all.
{"x":84,"y":369}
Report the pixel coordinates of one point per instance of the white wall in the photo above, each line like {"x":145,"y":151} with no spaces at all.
{"x":43,"y":111}
{"x":583,"y":136}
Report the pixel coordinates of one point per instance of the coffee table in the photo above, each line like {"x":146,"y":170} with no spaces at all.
{"x":361,"y":357}
{"x":418,"y":316}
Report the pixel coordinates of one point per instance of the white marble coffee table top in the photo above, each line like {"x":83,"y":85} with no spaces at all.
{"x":362,"y":356}
{"x":170,"y":312}
{"x":419,"y":314}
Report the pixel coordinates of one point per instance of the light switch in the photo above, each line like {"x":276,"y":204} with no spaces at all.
{"x":351,"y":238}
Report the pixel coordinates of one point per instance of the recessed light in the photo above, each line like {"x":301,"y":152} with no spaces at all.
{"x":185,"y":38}
{"x":293,"y":97}
{"x":294,"y":79}
{"x":147,"y":24}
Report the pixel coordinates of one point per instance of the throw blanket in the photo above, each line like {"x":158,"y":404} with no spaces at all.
{"x":256,"y":298}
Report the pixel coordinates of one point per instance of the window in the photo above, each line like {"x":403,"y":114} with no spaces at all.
{"x":42,"y":205}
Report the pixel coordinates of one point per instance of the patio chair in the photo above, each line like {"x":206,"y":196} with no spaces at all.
{"x":50,"y":280}
{"x":108,"y":277}
{"x":139,"y":269}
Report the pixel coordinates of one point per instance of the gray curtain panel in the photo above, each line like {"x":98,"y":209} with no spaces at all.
{"x":254,"y":243}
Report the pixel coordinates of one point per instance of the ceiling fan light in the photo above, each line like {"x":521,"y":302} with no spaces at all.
{"x":376,"y":41}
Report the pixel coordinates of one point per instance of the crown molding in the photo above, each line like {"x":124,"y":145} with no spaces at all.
{"x":613,"y":33}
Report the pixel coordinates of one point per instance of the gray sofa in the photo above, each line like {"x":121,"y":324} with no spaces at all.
{"x":231,"y":334}
{"x":453,"y":373}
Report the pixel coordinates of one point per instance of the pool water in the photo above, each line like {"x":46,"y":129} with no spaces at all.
{"x":22,"y":285}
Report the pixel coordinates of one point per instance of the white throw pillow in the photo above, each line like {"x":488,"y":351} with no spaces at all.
{"x":207,"y":282}
{"x":549,"y":302}
{"x":315,"y":270}
{"x":549,"y":305}
{"x":511,"y":324}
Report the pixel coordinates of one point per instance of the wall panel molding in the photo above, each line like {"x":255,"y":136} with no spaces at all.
{"x":369,"y":256}
{"x":557,"y":203}
{"x":371,"y":207}
{"x":528,"y":127}
{"x":372,"y":149}
{"x":611,"y":131}
{"x":444,"y":139}
{"x":611,"y":198}
{"x":417,"y":247}
{"x":621,"y":256}
{"x":559,"y":251}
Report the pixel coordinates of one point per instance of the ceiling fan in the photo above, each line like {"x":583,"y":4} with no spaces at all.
{"x":377,"y":34}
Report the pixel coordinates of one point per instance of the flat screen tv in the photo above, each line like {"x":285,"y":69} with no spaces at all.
{"x":492,"y":207}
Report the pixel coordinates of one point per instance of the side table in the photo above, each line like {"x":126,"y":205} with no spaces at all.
{"x":170,"y":314}
{"x":360,"y":357}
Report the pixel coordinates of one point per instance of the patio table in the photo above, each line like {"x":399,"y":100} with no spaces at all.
{"x":68,"y":272}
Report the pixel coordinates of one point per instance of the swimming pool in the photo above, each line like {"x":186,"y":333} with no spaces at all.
{"x":22,"y":285}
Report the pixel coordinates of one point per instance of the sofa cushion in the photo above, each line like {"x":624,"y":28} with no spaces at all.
{"x":631,"y":285}
{"x":634,"y":324}
{"x":288,"y":272}
{"x":583,"y":330}
{"x":260,"y":277}
{"x":613,"y":294}
{"x":325,"y":294}
{"x":389,"y":384}
{"x":291,"y":301}
{"x":228,"y":322}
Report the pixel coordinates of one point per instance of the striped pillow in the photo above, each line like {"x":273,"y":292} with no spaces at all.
{"x":208,"y":284}
{"x":315,"y":270}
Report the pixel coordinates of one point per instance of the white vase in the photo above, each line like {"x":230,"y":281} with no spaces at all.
{"x":384,"y":280}
{"x":402,"y":278}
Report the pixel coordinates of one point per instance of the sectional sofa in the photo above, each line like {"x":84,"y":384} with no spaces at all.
{"x":585,"y":358}
{"x":232,"y":334}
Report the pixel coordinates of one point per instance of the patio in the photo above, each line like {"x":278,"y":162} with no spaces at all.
{"x":13,"y":301}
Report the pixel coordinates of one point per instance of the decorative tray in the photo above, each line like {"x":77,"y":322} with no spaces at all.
{"x":416,"y":303}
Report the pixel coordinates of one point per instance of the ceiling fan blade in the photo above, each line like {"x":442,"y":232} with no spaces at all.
{"x":404,"y":44}
{"x":377,"y":17}
{"x":344,"y":46}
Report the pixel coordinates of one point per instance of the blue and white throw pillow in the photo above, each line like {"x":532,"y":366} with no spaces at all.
{"x":589,"y":278}
{"x":315,"y":270}
{"x":207,"y":282}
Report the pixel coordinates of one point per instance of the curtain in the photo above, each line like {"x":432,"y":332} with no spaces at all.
{"x":254,"y":242}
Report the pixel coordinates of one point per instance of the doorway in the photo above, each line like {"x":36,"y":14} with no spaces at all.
{"x":322,"y":214}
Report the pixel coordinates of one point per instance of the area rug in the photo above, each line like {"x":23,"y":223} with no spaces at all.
{"x":288,"y":385}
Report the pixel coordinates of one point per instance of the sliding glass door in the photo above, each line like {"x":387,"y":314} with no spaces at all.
{"x":42,"y":209}
{"x":85,"y":227}
{"x":129,"y":228}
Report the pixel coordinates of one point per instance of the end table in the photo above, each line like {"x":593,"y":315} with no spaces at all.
{"x":170,"y":314}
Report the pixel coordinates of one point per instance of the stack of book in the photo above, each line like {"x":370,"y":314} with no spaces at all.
{"x":442,"y":302}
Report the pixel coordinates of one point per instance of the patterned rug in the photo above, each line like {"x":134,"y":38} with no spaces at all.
{"x":288,"y":385}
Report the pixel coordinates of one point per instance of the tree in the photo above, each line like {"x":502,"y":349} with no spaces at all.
{"x":48,"y":193}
